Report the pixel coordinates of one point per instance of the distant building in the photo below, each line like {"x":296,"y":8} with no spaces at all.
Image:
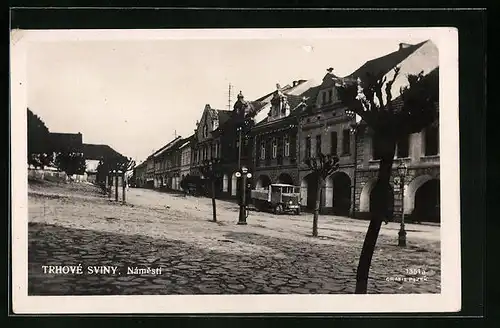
{"x":185,"y":149}
{"x":139,"y":175}
{"x":65,"y":142}
{"x":150,"y":172}
{"x":167,"y":165}
{"x":93,"y":154}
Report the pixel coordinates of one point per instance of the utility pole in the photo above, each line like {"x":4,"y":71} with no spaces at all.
{"x":229,"y":97}
{"x":124,"y":186}
{"x":116,"y":185}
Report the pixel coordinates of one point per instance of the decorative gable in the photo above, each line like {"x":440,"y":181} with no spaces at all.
{"x":327,"y":93}
{"x":208,"y":123}
{"x":279,"y":105}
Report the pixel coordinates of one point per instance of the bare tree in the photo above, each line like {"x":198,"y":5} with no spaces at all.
{"x":211,"y":170}
{"x":390,"y":119}
{"x":322,"y":166}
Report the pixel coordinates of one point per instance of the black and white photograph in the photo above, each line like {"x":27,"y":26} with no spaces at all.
{"x":235,"y":170}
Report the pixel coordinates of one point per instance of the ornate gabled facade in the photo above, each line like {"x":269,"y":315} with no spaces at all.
{"x":205,"y":144}
{"x":325,"y":128}
{"x":206,"y":141}
{"x":275,"y":157}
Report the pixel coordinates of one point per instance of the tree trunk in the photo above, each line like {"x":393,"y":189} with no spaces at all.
{"x":124,"y":186}
{"x":378,"y":214}
{"x":116,"y":187}
{"x":317,"y":206}
{"x":214,"y":210}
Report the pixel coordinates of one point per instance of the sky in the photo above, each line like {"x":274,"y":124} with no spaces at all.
{"x":137,"y":95}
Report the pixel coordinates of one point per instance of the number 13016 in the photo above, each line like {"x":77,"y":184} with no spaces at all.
{"x":416,"y":271}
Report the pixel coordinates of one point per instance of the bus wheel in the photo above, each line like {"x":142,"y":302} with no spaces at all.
{"x":278,"y":209}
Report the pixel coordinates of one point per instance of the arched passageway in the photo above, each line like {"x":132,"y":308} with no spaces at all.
{"x":312,"y":185}
{"x":263,"y":181}
{"x":341,"y":193}
{"x":285,"y":178}
{"x":427,"y":202}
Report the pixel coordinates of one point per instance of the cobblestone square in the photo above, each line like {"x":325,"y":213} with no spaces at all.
{"x":72,"y":224}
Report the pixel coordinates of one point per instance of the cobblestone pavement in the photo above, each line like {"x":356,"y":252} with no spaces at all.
{"x":271,"y":255}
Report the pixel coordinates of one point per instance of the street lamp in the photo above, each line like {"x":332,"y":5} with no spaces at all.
{"x":402,"y":171}
{"x":243,"y":174}
{"x":354,"y":131}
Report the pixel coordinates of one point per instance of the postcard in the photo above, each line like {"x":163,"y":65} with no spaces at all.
{"x":235,"y":171}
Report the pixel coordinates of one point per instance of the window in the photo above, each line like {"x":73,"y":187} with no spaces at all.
{"x":308,"y":147}
{"x":225,"y":183}
{"x":330,"y":96}
{"x":346,"y":142}
{"x":263,"y":150}
{"x":318,"y":144}
{"x":333,"y":143}
{"x":287,"y":146}
{"x":275,"y":111}
{"x":403,"y":147}
{"x":275,"y":148}
{"x":431,"y":135}
{"x":324,"y":98}
{"x":205,"y":131}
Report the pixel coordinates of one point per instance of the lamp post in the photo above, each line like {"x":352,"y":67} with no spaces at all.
{"x":354,"y":131}
{"x":243,"y":174}
{"x":239,"y":128}
{"x":402,"y":171}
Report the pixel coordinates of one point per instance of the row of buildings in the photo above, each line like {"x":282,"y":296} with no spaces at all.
{"x":57,"y":142}
{"x":294,"y":122}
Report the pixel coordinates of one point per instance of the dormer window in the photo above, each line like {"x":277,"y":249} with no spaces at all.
{"x":214,"y":125}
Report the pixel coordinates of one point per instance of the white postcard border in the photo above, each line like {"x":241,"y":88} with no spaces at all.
{"x":449,"y":300}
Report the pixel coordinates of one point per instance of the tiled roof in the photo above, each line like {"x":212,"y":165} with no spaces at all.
{"x":168,"y":146}
{"x":224,"y":116}
{"x":385,"y":63}
{"x":310,"y":94}
{"x":62,"y":142}
{"x":96,"y":152}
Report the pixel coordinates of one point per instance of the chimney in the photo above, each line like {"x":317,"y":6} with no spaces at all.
{"x":404,"y":45}
{"x":295,"y":83}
